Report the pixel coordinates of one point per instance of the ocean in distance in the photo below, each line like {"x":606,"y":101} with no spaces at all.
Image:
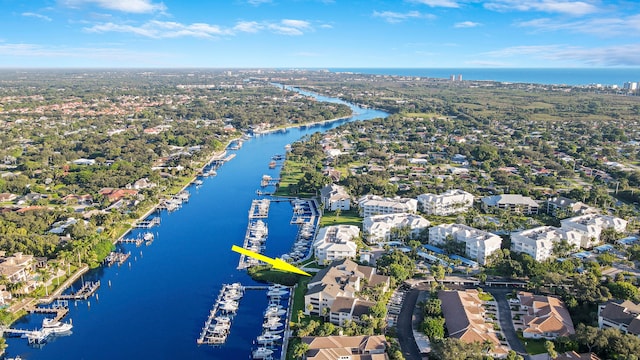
{"x":567,"y":76}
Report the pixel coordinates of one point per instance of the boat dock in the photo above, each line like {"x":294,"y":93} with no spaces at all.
{"x":139,"y":240}
{"x":147,"y":224}
{"x":116,"y":257}
{"x":254,"y":240}
{"x":269,"y":181}
{"x":88,"y":289}
{"x":304,"y":211}
{"x":259,"y":209}
{"x":218,"y":324}
{"x":275,"y":324}
{"x":60,"y":309}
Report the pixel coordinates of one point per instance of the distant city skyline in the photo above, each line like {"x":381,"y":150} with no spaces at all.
{"x":320,"y":33}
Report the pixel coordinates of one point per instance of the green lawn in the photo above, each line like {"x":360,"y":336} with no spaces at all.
{"x":350,"y":217}
{"x":485,"y":296}
{"x":289,"y":176}
{"x":533,"y":346}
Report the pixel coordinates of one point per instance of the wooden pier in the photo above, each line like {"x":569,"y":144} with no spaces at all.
{"x":59,"y":311}
{"x":147,"y":224}
{"x":85,"y":292}
{"x":254,"y":239}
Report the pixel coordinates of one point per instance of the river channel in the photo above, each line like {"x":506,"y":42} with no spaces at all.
{"x":155,"y":304}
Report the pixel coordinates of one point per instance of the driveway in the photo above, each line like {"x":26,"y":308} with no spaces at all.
{"x":506,"y":323}
{"x":405,"y":332}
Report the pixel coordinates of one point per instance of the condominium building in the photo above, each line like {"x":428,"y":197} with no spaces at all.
{"x":512,"y":202}
{"x":539,"y":242}
{"x":478,"y":244}
{"x":376,"y":205}
{"x":378,"y":228}
{"x":622,"y":315}
{"x":335,"y":197}
{"x":546,"y":317}
{"x":335,"y":242}
{"x":590,"y":227}
{"x":450,"y":202}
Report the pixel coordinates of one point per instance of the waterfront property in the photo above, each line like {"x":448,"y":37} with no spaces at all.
{"x":335,"y":197}
{"x":340,"y":282}
{"x":335,"y":242}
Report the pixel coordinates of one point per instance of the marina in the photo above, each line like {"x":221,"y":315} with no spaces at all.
{"x":275,"y":323}
{"x":192,"y":257}
{"x":218,"y":324}
{"x":254,"y":240}
{"x":146,"y":237}
{"x":267,"y":180}
{"x":259,"y":209}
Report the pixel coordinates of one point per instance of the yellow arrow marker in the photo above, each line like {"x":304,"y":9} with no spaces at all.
{"x":277,"y":263}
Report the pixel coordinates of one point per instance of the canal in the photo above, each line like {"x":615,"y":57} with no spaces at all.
{"x":157,"y":302}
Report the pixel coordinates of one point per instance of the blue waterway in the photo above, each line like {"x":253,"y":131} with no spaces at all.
{"x":571,"y":76}
{"x":156,"y":307}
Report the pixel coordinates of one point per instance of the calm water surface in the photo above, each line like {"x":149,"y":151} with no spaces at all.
{"x":157,"y":305}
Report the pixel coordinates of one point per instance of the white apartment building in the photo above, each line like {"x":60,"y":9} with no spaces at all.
{"x":376,"y":205}
{"x":538,"y":242}
{"x":450,"y":202}
{"x":591,"y":225}
{"x":378,"y":228}
{"x":512,"y":202}
{"x":479,"y":244}
{"x":335,"y":197}
{"x":335,"y":242}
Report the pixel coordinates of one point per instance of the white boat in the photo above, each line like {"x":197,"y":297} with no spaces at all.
{"x":229,"y":306}
{"x":198,"y":182}
{"x":262,"y":353}
{"x":268,"y":337}
{"x":52,"y":326}
{"x":274,"y":311}
{"x":277,"y":292}
{"x":223,"y":319}
{"x":272,"y":324}
{"x":148,"y":236}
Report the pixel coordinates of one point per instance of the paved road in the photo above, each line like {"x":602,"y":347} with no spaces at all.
{"x":505,"y":319}
{"x":405,"y":332}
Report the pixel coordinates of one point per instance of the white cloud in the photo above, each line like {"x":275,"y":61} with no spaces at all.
{"x":248,"y":27}
{"x":600,"y":26}
{"x":298,"y":24}
{"x":438,"y":3}
{"x":156,"y":29}
{"x":163,"y":29}
{"x":466,"y":24}
{"x":39,"y":16}
{"x":396,"y":17}
{"x":258,"y":2}
{"x":574,"y":8}
{"x":616,"y":55}
{"x":129,"y":6}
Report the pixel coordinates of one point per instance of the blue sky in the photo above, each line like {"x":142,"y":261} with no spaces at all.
{"x":320,"y":33}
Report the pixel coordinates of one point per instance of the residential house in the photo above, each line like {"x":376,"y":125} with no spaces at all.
{"x":85,"y":162}
{"x":18,"y":268}
{"x":73,"y":199}
{"x":451,"y":202}
{"x":465,"y":319}
{"x":117,"y":194}
{"x":335,"y":242}
{"x":140,"y":184}
{"x":590,"y":227}
{"x":342,"y":279}
{"x":539,"y":242}
{"x":362,"y":347}
{"x":512,"y":202}
{"x":335,"y":197}
{"x":479,"y":245}
{"x":546,"y":317}
{"x":378,"y":228}
{"x":622,"y":315}
{"x":377,"y":205}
